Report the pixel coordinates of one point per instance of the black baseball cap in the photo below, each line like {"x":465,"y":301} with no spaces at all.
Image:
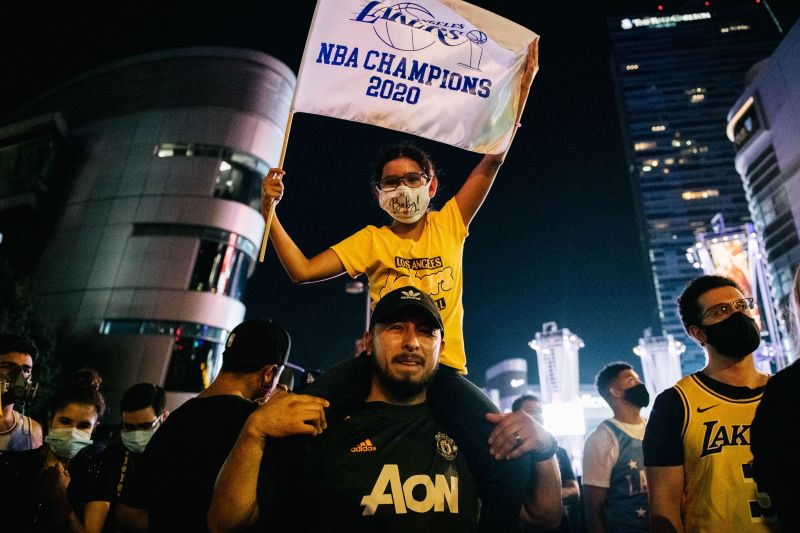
{"x":406,"y":298}
{"x":256,"y":343}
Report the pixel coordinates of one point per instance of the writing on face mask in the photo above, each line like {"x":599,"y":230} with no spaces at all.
{"x":405,"y":204}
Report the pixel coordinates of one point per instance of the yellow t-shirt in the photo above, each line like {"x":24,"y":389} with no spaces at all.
{"x":431,"y":264}
{"x":719,"y":491}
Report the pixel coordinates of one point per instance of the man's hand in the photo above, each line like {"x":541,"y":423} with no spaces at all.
{"x":271,"y":189}
{"x":286,"y":414}
{"x":55,"y":481}
{"x":516,"y":433}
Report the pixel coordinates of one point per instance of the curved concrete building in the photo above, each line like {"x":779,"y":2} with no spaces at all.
{"x":159,"y":227}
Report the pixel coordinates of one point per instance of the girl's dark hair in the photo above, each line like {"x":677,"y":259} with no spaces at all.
{"x":409,"y":151}
{"x":82,"y":387}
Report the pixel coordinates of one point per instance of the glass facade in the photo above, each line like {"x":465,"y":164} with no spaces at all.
{"x":765,"y":184}
{"x":223,"y":259}
{"x":221,"y":268}
{"x":29,"y":155}
{"x":196,"y":350}
{"x":238,"y":176}
{"x":677,"y":77}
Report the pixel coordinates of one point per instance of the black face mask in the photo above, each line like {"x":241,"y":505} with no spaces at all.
{"x":637,"y":395}
{"x":736,"y":337}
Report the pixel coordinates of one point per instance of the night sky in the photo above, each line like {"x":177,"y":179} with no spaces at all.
{"x":555,"y":241}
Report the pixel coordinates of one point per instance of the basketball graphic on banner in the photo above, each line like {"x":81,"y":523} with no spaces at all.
{"x":400,"y":36}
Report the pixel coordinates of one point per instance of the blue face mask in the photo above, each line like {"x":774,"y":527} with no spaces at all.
{"x":66,"y":442}
{"x":137,"y":440}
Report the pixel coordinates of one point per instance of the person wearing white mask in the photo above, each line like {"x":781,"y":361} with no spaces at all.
{"x":52,"y":488}
{"x":143,"y":412}
{"x":423,"y":248}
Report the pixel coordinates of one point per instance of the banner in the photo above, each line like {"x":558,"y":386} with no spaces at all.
{"x":731,"y":258}
{"x":444,"y":70}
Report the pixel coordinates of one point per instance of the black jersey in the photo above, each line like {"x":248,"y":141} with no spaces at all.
{"x":384,"y":468}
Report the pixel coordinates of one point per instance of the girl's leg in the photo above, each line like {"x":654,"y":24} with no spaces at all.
{"x":345,"y":385}
{"x":461,"y":408}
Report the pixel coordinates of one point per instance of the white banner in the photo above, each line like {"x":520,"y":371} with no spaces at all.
{"x":444,"y":70}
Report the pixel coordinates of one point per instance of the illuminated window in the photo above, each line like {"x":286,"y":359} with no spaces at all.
{"x":196,"y":352}
{"x":631,"y":67}
{"x":739,"y":27}
{"x":239,"y":174}
{"x":640,"y":146}
{"x":676,"y":143}
{"x":221,"y":268}
{"x":669,"y":161}
{"x":700,"y":195}
{"x":223,"y":261}
{"x":697,"y":98}
{"x":647,"y":168}
{"x":659,"y":127}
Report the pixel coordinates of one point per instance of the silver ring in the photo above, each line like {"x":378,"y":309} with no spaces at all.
{"x":517,"y":439}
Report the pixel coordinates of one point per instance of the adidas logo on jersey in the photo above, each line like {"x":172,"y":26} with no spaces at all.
{"x":365,"y":446}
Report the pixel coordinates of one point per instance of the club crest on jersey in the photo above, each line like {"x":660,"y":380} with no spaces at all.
{"x":717,"y":436}
{"x":446,"y":446}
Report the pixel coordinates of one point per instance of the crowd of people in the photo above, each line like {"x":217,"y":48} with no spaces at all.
{"x":397,"y":438}
{"x":248,"y":454}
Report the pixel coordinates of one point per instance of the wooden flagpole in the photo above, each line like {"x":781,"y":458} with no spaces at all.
{"x":271,"y":211}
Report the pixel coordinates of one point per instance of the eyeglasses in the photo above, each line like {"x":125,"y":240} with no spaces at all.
{"x":411,"y":179}
{"x":724,"y":310}
{"x":144,"y":426}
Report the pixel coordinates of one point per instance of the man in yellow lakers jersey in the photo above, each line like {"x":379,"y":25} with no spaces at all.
{"x":697,"y":443}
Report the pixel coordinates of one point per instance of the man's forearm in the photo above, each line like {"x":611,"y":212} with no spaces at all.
{"x":234,"y":505}
{"x":542,"y":505}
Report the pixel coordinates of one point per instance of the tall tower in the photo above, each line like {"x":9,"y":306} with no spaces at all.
{"x":156,"y":226}
{"x":676,"y":76}
{"x":661,"y":361}
{"x":558,"y":360}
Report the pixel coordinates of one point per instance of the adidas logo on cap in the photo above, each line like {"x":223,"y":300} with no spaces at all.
{"x":409,"y":295}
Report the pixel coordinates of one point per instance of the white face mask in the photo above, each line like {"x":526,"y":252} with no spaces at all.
{"x":405,"y":204}
{"x":66,"y":442}
{"x":136,"y":441}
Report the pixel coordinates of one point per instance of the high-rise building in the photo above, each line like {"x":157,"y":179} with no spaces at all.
{"x":677,"y":75}
{"x":763,"y":126}
{"x":153,"y":208}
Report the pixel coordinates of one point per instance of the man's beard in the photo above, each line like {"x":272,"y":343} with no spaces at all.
{"x":405,"y":387}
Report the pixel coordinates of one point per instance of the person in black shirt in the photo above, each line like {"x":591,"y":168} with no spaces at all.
{"x":388,"y":466}
{"x":181,"y":461}
{"x":53,"y":488}
{"x":143,"y":412}
{"x":570,"y":490}
{"x":776,"y":463}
